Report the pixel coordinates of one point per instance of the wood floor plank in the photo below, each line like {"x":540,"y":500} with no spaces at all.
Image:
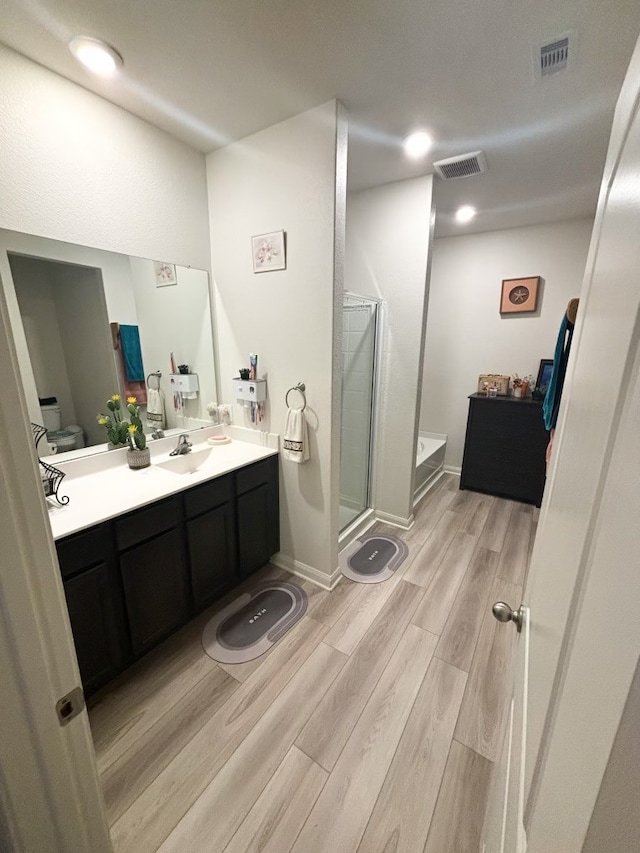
{"x":279,"y":813}
{"x":328,"y":607}
{"x":329,"y":728}
{"x":433,"y":611}
{"x":457,"y":822}
{"x":429,"y":516}
{"x":515,"y":550}
{"x":136,"y":700}
{"x":360,"y":615}
{"x":339,"y":817}
{"x":125,"y":779}
{"x":464,"y":501}
{"x":476,"y":517}
{"x":213,"y":819}
{"x":150,"y":819}
{"x":495,"y":528}
{"x":484,"y":707}
{"x":402,"y":815}
{"x":460,"y":634}
{"x":144,"y":697}
{"x":423,"y":568}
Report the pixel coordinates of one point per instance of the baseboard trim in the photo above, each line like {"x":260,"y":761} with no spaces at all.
{"x":395,"y":520}
{"x":307,"y":573}
{"x":427,"y":487}
{"x":453,"y":469}
{"x":356,"y":528}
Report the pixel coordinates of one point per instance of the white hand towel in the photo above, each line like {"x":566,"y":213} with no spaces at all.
{"x":155,"y":409}
{"x":296,"y":437}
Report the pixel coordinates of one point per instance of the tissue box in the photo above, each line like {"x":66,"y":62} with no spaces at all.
{"x":501,"y":383}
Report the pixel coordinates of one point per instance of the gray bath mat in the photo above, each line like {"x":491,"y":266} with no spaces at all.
{"x":373,"y":558}
{"x":253,"y":622}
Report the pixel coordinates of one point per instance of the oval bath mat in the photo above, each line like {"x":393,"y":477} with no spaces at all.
{"x":253,"y":622}
{"x":373,"y":558}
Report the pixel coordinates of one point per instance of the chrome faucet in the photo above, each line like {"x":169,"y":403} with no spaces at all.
{"x":183,"y":446}
{"x":157,"y":433}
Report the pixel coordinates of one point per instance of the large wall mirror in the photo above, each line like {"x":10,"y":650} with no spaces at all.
{"x":89,"y":324}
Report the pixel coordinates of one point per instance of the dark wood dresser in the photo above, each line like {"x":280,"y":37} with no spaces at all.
{"x":504,"y":450}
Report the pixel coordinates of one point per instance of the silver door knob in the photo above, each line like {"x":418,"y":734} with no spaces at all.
{"x":505,"y":613}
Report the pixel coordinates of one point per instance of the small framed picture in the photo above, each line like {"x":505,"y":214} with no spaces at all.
{"x":269,"y":252}
{"x":165,"y":273}
{"x":519,"y":295}
{"x":544,"y":375}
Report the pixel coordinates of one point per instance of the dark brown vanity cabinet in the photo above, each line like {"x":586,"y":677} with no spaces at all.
{"x":258,"y":528}
{"x":211,"y":540}
{"x":90,"y":580}
{"x":132,"y":581}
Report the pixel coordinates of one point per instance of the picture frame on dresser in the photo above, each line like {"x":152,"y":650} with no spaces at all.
{"x":544,"y":376}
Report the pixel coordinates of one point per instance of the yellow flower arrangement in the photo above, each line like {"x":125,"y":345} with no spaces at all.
{"x":103,"y":421}
{"x":131,"y":400}
{"x":132,"y":428}
{"x":115,"y":397}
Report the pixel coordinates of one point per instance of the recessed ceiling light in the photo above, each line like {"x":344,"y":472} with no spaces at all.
{"x":95,"y":55}
{"x":417,"y":144}
{"x":465,"y":213}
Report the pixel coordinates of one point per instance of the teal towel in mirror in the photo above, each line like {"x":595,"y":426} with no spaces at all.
{"x":130,"y":343}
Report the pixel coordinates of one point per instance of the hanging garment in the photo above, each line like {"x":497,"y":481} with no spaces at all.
{"x":552,"y":398}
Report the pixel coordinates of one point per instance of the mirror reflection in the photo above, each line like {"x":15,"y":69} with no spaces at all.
{"x":89,"y":324}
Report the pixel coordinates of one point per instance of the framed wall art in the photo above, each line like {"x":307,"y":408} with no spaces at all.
{"x":269,"y":252}
{"x":165,"y":273}
{"x":519,"y":295}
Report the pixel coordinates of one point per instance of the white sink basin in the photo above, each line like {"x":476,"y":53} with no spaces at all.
{"x":186,"y":463}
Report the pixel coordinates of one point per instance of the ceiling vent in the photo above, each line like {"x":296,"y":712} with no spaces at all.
{"x":463,"y":166}
{"x":555,"y":56}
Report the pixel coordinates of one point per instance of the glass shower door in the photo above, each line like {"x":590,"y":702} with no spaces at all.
{"x":358,"y":380}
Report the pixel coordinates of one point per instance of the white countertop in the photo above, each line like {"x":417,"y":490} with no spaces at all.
{"x":103,"y":486}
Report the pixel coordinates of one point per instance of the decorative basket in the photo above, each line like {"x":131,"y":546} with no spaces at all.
{"x":494,"y":379}
{"x":139,"y":458}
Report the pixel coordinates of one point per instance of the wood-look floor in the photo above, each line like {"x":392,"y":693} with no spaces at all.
{"x":371,"y":727}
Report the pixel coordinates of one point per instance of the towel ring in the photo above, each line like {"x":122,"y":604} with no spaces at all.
{"x":301,"y":387}
{"x":158,"y":376}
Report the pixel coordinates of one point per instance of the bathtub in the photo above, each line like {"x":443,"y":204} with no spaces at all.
{"x":429,"y":460}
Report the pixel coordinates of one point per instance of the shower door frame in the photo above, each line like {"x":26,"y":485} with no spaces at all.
{"x":375,"y":395}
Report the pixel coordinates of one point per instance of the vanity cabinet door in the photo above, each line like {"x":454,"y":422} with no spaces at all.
{"x":258,"y":514}
{"x":212,"y":554}
{"x":155,"y":589}
{"x":94,"y":623}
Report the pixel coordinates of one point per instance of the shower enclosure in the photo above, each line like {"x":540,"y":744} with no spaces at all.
{"x":360,"y":325}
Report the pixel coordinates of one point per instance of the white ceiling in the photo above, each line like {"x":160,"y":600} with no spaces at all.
{"x":212,"y":71}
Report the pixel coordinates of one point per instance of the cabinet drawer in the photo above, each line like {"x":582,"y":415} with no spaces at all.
{"x":146,"y":523}
{"x":255,"y":475}
{"x":83,"y":550}
{"x":207,"y":496}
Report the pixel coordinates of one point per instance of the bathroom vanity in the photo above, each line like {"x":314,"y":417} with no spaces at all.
{"x":135,"y":578}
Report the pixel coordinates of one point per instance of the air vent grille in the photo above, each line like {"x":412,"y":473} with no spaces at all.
{"x":554,"y":57}
{"x":463,"y":166}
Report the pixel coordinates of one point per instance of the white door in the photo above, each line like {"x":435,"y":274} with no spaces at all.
{"x":50,"y":798}
{"x":542,"y":794}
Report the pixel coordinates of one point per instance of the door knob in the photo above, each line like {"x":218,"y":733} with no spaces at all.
{"x":504,"y":613}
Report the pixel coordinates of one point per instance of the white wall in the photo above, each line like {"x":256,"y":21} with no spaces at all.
{"x":387,"y":257}
{"x":466,"y":335}
{"x":42,"y":332}
{"x":82,"y":318}
{"x":176,"y":319}
{"x":285,"y":178}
